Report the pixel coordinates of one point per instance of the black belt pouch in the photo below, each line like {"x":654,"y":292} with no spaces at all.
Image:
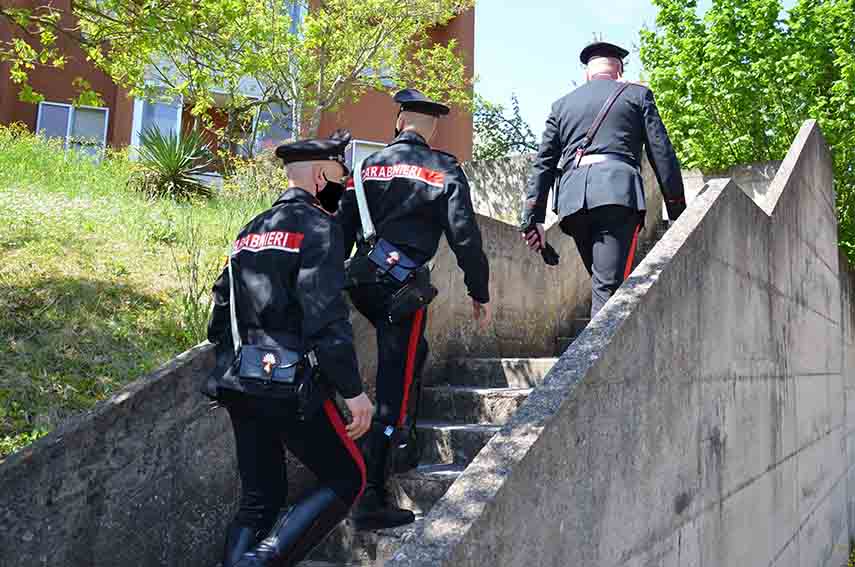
{"x":382,"y":262}
{"x":277,"y":372}
{"x":418,"y":292}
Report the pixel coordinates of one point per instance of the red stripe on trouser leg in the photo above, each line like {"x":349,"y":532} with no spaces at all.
{"x":338,"y":425}
{"x":631,"y":257}
{"x":409,"y":370}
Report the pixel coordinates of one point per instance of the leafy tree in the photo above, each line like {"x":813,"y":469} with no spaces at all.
{"x":208,"y":51}
{"x":735,"y":85}
{"x":500,"y":132}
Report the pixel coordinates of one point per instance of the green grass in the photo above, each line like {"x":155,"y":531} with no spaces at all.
{"x":95,"y":281}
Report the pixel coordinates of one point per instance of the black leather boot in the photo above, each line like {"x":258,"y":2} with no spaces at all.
{"x":239,"y":540}
{"x":373,"y":511}
{"x":297,"y":531}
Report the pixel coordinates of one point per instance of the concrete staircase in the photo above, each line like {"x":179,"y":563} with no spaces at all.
{"x":458,"y":415}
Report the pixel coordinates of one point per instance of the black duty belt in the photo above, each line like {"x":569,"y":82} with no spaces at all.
{"x":593,"y":159}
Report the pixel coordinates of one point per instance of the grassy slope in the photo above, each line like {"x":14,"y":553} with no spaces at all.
{"x":91,"y":280}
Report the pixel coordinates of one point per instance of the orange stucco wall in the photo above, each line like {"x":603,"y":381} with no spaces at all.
{"x":56,"y":85}
{"x":373,"y":116}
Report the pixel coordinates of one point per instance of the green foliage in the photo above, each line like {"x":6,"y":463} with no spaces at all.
{"x":734,"y":86}
{"x":261,"y":178}
{"x":498,"y":132}
{"x":97,"y":282}
{"x":209,"y":51}
{"x":171,"y":164}
{"x":11,"y":443}
{"x":195,"y":268}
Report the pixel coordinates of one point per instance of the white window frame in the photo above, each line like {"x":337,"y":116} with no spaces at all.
{"x":363,"y":149}
{"x":136,"y":123}
{"x":257,"y":117}
{"x":70,"y":120}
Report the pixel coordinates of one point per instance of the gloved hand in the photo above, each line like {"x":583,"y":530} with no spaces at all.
{"x":535,"y":237}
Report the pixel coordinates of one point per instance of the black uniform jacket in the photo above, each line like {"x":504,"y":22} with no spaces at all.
{"x":415,"y":194}
{"x":632,"y":122}
{"x":289,"y":273}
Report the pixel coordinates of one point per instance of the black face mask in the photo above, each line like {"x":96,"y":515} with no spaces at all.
{"x":397,"y":132}
{"x":330,"y":195}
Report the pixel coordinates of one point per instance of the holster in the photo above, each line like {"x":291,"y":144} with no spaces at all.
{"x":418,"y":292}
{"x":278,"y":372}
{"x":380,"y":261}
{"x":384,"y":263}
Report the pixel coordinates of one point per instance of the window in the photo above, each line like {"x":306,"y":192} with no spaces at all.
{"x":358,"y":150}
{"x":274,"y":126}
{"x":82,"y":128}
{"x":297,"y":12}
{"x":164,"y":114}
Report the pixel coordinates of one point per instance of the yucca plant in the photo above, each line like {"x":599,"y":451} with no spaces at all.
{"x":169,"y":164}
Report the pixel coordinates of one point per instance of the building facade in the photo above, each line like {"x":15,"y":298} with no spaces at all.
{"x":121,"y":120}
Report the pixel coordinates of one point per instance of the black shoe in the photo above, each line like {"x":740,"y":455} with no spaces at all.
{"x":297,"y":531}
{"x":239,"y":540}
{"x":372,"y":512}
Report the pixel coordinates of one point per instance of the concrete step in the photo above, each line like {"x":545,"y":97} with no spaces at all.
{"x":312,"y":563}
{"x":347,"y":547}
{"x":421,"y":488}
{"x":563,"y":342}
{"x":577,"y":326}
{"x":417,"y":490}
{"x":466,"y":404}
{"x":498,"y":372}
{"x":447,"y":443}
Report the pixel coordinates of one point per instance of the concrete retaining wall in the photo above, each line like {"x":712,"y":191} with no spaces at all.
{"x":148,"y":478}
{"x":498,"y":187}
{"x":144,"y":480}
{"x":754,"y":179}
{"x":705,"y":416}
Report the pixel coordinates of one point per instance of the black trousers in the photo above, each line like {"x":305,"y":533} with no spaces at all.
{"x":401,"y":351}
{"x":606,"y":238}
{"x":262,"y":426}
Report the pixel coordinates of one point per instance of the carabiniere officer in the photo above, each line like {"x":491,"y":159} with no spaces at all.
{"x":600,"y":199}
{"x":415,"y":195}
{"x":288,"y":270}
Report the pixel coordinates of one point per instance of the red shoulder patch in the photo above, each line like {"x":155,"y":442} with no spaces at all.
{"x":404,"y":171}
{"x":274,"y":240}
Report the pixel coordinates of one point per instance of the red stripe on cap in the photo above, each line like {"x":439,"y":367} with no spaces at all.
{"x":338,"y":425}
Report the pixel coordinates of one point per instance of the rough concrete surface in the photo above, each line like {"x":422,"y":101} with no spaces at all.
{"x":148,"y":477}
{"x":701,"y":419}
{"x":498,"y":187}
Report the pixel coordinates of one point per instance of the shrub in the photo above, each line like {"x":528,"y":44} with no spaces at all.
{"x":196,"y":267}
{"x":170,"y":165}
{"x":261,"y":178}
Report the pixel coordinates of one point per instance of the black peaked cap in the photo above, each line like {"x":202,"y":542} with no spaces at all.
{"x":317,"y":149}
{"x":602,"y":49}
{"x":412,"y":100}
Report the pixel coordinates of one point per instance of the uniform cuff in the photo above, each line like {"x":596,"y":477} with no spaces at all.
{"x":480,"y":298}
{"x":350,"y":390}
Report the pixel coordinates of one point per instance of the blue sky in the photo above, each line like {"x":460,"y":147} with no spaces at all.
{"x":532,"y":48}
